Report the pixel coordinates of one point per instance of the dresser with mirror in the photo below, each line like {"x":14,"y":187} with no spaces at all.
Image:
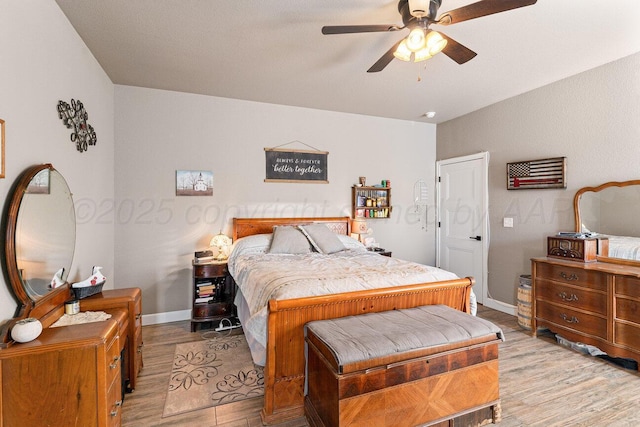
{"x":596,"y":303}
{"x":68,"y":375}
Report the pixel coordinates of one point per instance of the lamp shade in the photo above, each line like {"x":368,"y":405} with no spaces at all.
{"x":359,"y":226}
{"x":222,"y":242}
{"x":402,"y":52}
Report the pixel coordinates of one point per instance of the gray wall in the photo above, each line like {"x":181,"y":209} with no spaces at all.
{"x":43,"y":61}
{"x":158,"y":132}
{"x":592,"y":118}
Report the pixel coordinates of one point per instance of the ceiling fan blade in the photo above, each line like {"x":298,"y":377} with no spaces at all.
{"x":456,"y":51}
{"x":348,"y":29}
{"x":481,"y":8}
{"x":384,"y":59}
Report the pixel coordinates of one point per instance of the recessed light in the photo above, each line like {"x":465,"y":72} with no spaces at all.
{"x":430,"y":114}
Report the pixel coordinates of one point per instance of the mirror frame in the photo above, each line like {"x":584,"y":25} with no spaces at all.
{"x":578,"y":222}
{"x":44,"y":307}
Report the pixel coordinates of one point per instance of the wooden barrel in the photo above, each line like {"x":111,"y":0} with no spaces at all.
{"x":524,"y":302}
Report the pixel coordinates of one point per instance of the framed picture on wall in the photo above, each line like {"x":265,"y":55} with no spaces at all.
{"x":194,"y":183}
{"x":1,"y":148}
{"x":542,"y":173}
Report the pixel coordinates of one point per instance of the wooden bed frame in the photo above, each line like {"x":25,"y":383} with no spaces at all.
{"x":285,"y":362}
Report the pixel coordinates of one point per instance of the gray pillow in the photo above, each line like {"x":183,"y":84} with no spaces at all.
{"x":322,"y":239}
{"x":288,"y":240}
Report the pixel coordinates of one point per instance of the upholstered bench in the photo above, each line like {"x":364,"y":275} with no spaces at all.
{"x":409,"y":367}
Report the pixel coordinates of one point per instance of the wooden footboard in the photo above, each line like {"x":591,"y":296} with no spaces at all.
{"x":285,"y":365}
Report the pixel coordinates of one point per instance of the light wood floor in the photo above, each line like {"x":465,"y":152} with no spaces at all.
{"x":541,"y":384}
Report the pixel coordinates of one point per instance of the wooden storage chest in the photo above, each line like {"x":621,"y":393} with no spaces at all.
{"x":404,"y":382}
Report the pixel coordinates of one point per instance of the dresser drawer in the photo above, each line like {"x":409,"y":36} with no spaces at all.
{"x":627,"y":335}
{"x":572,"y":296}
{"x":114,"y":405}
{"x":138,"y":353}
{"x":567,"y":318}
{"x":628,"y":309}
{"x":574,"y":276}
{"x":114,"y":361}
{"x":629,"y":286}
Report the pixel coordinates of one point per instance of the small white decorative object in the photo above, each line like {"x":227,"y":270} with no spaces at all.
{"x":26,"y":330}
{"x":96,"y":278}
{"x":57,"y":279}
{"x":91,"y":285}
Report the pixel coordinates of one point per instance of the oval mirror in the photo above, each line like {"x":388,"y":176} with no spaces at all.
{"x":40,"y":235}
{"x":611,"y":210}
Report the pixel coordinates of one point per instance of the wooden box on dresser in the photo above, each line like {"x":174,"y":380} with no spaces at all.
{"x":595,"y":303}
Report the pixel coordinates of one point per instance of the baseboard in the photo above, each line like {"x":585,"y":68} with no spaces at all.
{"x":171,"y":316}
{"x":500,"y":306}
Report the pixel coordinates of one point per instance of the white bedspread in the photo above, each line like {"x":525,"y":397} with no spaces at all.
{"x":261,"y":277}
{"x":624,"y":247}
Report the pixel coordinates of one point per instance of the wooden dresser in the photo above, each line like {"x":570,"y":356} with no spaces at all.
{"x":68,"y":376}
{"x":594,"y":303}
{"x":74,"y":375}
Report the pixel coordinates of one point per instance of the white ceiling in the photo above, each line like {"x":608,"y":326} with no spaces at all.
{"x":273,"y":51}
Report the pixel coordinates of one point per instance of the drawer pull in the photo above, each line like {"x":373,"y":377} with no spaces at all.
{"x":140,"y":348}
{"x":573,"y":319}
{"x":567,"y":277}
{"x":138,"y":316}
{"x":114,"y":411}
{"x":563,"y":296}
{"x":115,"y":364}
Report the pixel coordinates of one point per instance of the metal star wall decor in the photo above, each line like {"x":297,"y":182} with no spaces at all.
{"x":75,"y":117}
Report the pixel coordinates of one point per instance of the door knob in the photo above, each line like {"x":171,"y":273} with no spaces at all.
{"x":478,"y":238}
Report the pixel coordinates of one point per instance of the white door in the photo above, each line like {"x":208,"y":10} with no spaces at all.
{"x":462,"y":219}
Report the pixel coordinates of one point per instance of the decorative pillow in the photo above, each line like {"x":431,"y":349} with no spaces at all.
{"x":257,"y":243}
{"x":322,"y":239}
{"x":351,"y":243}
{"x":288,"y":240}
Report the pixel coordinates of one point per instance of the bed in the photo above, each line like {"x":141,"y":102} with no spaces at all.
{"x":285,"y":314}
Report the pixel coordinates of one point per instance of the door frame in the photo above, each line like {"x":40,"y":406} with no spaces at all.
{"x":483,"y":298}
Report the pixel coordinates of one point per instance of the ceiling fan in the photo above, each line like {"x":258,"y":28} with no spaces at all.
{"x":423,"y":43}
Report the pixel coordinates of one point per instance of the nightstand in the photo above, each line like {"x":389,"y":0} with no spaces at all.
{"x":380,"y":251}
{"x":213,"y":293}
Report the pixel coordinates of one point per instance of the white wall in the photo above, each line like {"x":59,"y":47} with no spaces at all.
{"x":592,"y":118}
{"x":158,"y":132}
{"x":42,"y":61}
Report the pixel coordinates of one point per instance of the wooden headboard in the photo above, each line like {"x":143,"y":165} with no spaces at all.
{"x":243,"y":227}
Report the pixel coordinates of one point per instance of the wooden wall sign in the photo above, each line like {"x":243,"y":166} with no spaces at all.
{"x":544,"y":173}
{"x":286,"y":165}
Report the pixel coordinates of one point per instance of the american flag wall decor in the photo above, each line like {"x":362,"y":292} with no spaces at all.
{"x":544,"y":173}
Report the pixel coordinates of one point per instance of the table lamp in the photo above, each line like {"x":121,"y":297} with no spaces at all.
{"x":359,"y":227}
{"x":222,"y":242}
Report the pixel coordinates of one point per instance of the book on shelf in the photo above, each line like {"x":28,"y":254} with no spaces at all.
{"x":206,"y":288}
{"x":201,"y":284}
{"x":204,"y":299}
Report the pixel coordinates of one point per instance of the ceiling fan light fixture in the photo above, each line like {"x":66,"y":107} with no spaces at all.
{"x":402,"y":52}
{"x":435,"y":42}
{"x":416,"y":39}
{"x":419,"y":8}
{"x":423,"y":55}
